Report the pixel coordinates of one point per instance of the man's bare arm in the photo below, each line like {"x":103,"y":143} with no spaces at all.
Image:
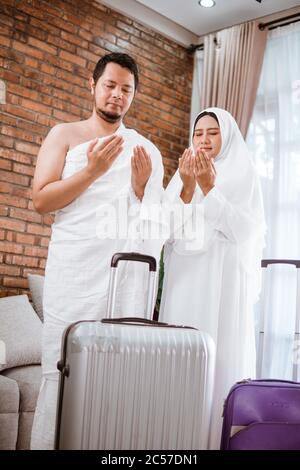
{"x":50,"y":193}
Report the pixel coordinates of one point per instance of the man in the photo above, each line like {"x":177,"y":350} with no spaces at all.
{"x":92,"y":173}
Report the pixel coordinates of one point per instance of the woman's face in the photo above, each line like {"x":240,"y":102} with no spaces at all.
{"x":207,"y":136}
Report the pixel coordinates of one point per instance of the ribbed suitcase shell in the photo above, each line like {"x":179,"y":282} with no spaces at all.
{"x":133,"y":386}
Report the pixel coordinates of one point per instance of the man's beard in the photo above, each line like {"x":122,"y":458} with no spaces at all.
{"x":112,"y":118}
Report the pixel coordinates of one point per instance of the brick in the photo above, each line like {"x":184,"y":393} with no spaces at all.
{"x":7,"y":75}
{"x":44,"y":241}
{"x":25,"y":239}
{"x":45,"y":120}
{"x":36,"y":251}
{"x":74,"y":39}
{"x":4,"y":41}
{"x":85,"y":35}
{"x":38,"y":230}
{"x":43,"y":26}
{"x":13,"y":201}
{"x":13,"y":55}
{"x":28,"y":216}
{"x":33,"y":128}
{"x":27,"y":148}
{"x":15,"y":282}
{"x":19,"y":134}
{"x":42,"y":45}
{"x":23,"y":169}
{"x":27,"y":50}
{"x":6,"y":119}
{"x":10,"y":224}
{"x":8,"y":292}
{"x":19,"y":112}
{"x":61,"y":44}
{"x":5,"y":165}
{"x":14,"y":248}
{"x":34,"y":106}
{"x":69,"y":78}
{"x":5,"y":19}
{"x":2,"y":235}
{"x":27,"y":271}
{"x":128,"y":28}
{"x":25,"y":261}
{"x":3,"y":211}
{"x":21,"y":192}
{"x":30,"y":31}
{"x":64,"y":117}
{"x":14,"y":178}
{"x":87,"y":55}
{"x":72,"y":58}
{"x":49,"y":69}
{"x":48,"y":219}
{"x":30,"y":62}
{"x":5,"y":187}
{"x":9,"y":270}
{"x":59,"y":62}
{"x":6,"y":141}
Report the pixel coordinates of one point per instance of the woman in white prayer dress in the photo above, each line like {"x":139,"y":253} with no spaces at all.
{"x":212,"y":273}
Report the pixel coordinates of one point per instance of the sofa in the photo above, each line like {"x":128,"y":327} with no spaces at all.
{"x":20,"y":369}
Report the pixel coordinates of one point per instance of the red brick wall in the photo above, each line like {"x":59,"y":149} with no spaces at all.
{"x":48,"y":50}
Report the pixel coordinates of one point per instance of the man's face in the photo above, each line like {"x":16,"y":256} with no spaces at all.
{"x":113,"y":92}
{"x":207,"y":136}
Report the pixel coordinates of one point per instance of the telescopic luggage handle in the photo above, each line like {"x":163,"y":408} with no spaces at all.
{"x":264,"y":264}
{"x":151,"y":261}
{"x":133,"y":257}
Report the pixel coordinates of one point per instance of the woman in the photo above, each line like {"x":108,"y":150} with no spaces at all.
{"x":212,"y":280}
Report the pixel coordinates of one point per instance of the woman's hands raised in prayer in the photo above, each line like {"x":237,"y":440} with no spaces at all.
{"x":204,"y":170}
{"x":186,"y":171}
{"x":196,"y":169}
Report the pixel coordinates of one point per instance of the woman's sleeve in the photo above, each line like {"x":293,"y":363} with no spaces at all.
{"x":235,"y":223}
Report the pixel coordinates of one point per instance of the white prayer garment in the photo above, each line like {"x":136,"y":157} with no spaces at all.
{"x":85,"y":235}
{"x":212,"y":279}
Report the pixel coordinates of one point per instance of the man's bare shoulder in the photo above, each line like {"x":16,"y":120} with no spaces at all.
{"x":66,"y":132}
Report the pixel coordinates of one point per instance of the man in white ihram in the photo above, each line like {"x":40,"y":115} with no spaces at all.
{"x":85,"y":170}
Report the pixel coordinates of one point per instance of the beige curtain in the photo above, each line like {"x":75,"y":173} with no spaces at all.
{"x":232,"y":64}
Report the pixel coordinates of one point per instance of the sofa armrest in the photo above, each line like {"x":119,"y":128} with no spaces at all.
{"x":9,"y":413}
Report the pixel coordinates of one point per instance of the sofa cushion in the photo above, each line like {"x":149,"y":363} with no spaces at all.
{"x":28,"y":379}
{"x":20,"y":332}
{"x":25,"y":427}
{"x":9,"y":395}
{"x":36,"y":286}
{"x":9,"y":430}
{"x":9,"y":413}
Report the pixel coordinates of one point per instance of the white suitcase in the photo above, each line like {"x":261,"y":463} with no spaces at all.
{"x":134,"y":383}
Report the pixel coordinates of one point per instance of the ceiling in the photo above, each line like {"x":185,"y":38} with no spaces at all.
{"x":185,"y":21}
{"x":200,"y":21}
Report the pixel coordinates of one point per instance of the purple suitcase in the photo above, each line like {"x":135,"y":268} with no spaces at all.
{"x":262,"y":415}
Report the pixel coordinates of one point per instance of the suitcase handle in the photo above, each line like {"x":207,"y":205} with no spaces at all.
{"x":151,"y":261}
{"x":266,"y":262}
{"x":133,"y":257}
{"x":143,"y":321}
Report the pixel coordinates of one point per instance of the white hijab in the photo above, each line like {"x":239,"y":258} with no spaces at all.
{"x":238,"y":182}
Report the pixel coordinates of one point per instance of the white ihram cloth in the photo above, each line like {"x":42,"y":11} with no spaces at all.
{"x":213,"y":286}
{"x":78,"y":264}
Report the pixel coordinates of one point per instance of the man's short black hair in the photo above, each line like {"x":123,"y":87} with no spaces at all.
{"x":124,"y":60}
